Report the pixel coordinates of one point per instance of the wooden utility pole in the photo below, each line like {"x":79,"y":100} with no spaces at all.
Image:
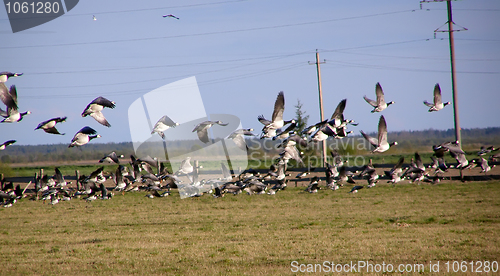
{"x":450,"y":32}
{"x":458,"y":137}
{"x":320,"y":102}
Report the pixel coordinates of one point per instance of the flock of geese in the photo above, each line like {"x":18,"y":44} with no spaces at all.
{"x":150,"y":174}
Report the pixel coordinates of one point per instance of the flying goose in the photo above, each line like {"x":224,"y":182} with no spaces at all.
{"x":337,"y":119}
{"x":238,"y":139}
{"x":330,"y":182}
{"x":202,"y":129}
{"x":163,"y":124}
{"x":171,"y":15}
{"x":380,"y":144}
{"x":276,"y":122}
{"x":355,"y":189}
{"x":254,"y":186}
{"x":396,"y":172}
{"x":380,"y":103}
{"x":337,"y":160}
{"x":95,"y":107}
{"x":337,"y":116}
{"x":313,"y":186}
{"x":96,"y":176}
{"x":118,"y":178}
{"x":323,"y":131}
{"x":83,"y":136}
{"x":111,"y":157}
{"x":485,"y":167}
{"x":438,"y":104}
{"x":59,"y":178}
{"x":283,"y":134}
{"x":49,"y":126}
{"x":416,"y":171}
{"x":185,"y":167}
{"x":439,"y":150}
{"x":485,"y":150}
{"x":463,"y":163}
{"x":7,"y":143}
{"x":9,"y":98}
{"x":4,"y":76}
{"x":331,"y":170}
{"x":372,"y":178}
{"x":345,"y":176}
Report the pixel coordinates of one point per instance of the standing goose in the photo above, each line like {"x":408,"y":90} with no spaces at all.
{"x":95,"y":107}
{"x":380,"y":103}
{"x":83,"y":136}
{"x":7,"y":143}
{"x":4,"y":76}
{"x":9,"y":98}
{"x":381,"y":143}
{"x":270,"y":127}
{"x":438,"y":104}
{"x":163,"y":124}
{"x":202,"y":129}
{"x":49,"y":126}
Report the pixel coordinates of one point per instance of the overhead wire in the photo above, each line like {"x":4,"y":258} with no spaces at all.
{"x":208,"y":33}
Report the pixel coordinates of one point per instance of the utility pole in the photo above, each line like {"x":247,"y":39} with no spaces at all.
{"x":450,"y":31}
{"x":320,"y":101}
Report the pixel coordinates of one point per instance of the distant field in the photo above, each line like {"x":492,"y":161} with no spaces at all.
{"x":405,"y":224}
{"x":87,"y":166}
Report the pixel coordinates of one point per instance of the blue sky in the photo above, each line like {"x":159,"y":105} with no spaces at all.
{"x":243,"y":53}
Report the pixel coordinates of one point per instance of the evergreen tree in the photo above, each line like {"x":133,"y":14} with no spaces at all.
{"x":301,"y":118}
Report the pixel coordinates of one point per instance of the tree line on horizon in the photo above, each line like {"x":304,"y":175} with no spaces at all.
{"x":408,"y":141}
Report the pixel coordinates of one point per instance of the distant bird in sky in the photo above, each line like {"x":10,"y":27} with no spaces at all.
{"x":49,"y":126}
{"x":7,"y":143}
{"x":9,"y":98}
{"x":95,"y":107}
{"x":4,"y":76}
{"x":93,"y":17}
{"x":202,"y":129}
{"x":171,"y":15}
{"x":163,"y":124}
{"x":380,"y":103}
{"x":83,"y":136}
{"x":438,"y":104}
{"x":380,"y":143}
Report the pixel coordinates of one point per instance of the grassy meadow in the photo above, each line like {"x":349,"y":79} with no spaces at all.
{"x":253,"y":235}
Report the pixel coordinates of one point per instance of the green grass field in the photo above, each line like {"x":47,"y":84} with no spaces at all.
{"x":253,"y":235}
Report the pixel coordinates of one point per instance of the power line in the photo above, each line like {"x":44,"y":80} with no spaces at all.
{"x":143,"y":90}
{"x":157,"y":8}
{"x":370,"y":66}
{"x":209,"y":33}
